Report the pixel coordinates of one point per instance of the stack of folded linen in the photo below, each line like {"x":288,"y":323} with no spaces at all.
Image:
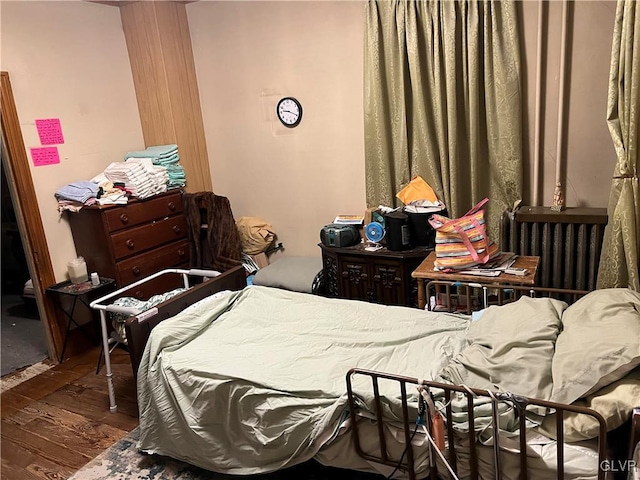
{"x":108,"y":193}
{"x":76,"y":195}
{"x":164,"y":156}
{"x":136,"y":179}
{"x":158,"y":175}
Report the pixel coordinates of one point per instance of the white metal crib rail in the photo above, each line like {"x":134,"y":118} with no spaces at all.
{"x":98,"y":305}
{"x":518,"y":403}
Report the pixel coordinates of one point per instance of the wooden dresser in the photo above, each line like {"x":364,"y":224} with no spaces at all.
{"x":130,"y":242}
{"x":381,"y":277}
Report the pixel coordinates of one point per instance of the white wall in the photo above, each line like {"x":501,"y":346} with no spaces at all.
{"x":69,"y":60}
{"x":589,"y":157}
{"x":250,"y":54}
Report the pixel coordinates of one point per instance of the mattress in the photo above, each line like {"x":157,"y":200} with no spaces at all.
{"x":580,"y":459}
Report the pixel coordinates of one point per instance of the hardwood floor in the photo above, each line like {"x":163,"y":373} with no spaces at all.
{"x":54,"y":423}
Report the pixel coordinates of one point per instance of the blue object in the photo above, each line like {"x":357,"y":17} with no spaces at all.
{"x":79,"y":191}
{"x":374,"y":232}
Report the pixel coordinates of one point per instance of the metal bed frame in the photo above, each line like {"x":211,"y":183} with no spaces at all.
{"x":517,"y":402}
{"x":106,"y":341}
{"x":489,"y":294}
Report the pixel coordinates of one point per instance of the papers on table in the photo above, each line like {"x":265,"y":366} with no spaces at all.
{"x":349,"y":220}
{"x":480,"y":272}
{"x":501,"y":263}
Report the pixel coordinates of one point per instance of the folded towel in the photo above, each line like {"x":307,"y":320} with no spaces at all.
{"x":100,"y":178}
{"x":114,"y":198}
{"x":163,"y":150}
{"x":175,"y":158}
{"x":79,"y":191}
{"x":155,"y":151}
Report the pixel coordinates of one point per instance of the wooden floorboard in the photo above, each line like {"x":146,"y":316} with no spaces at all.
{"x":56,"y":422}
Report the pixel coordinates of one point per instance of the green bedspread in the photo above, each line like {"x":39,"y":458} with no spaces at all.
{"x":254,"y":381}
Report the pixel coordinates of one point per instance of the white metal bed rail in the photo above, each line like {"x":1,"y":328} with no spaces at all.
{"x":98,"y":305}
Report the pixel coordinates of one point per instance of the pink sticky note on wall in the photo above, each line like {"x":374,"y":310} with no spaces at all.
{"x":49,"y":131}
{"x":45,"y":156}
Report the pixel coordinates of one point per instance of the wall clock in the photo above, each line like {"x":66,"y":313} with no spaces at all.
{"x":289,"y":112}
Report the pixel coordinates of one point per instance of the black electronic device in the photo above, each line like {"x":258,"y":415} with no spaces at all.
{"x":398,"y":234}
{"x":422,"y":233}
{"x":334,"y":235}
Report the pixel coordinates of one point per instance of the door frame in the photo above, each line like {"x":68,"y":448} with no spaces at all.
{"x":23,"y":194}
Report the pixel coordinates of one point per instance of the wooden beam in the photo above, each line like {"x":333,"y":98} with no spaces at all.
{"x":164,"y":75}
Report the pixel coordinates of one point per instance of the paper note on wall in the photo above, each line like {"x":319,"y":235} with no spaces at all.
{"x":49,"y":131}
{"x":45,"y":156}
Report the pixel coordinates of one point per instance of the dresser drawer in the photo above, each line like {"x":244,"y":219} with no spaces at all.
{"x":139,"y":239}
{"x":143,"y":212}
{"x":140,"y":266}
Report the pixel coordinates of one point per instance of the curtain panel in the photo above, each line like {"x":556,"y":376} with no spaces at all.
{"x":619,"y":258}
{"x":443,"y":100}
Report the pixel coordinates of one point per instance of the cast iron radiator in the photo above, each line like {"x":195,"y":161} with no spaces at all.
{"x":568,"y":243}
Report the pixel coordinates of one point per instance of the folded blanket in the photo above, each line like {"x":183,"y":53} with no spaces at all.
{"x":79,"y":191}
{"x":175,"y":158}
{"x":154,"y":151}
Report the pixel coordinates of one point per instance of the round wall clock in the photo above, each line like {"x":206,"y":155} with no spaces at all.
{"x":289,"y":112}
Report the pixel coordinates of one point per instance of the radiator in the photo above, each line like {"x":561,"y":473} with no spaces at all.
{"x":568,"y":243}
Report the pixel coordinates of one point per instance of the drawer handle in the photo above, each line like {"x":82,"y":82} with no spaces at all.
{"x":124,"y":219}
{"x":172,"y":206}
{"x":130,"y":245}
{"x":181,"y":253}
{"x":176,"y":229}
{"x":136,"y":271}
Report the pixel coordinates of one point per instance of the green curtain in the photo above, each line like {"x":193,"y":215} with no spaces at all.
{"x":443,"y":101}
{"x":619,"y":259}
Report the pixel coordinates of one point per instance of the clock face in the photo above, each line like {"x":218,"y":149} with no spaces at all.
{"x":289,"y":112}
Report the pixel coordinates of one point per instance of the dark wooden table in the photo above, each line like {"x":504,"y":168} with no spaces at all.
{"x":78,"y":292}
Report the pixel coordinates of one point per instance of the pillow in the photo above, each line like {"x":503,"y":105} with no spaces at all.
{"x":614,"y":402}
{"x":291,"y":273}
{"x":599,"y":344}
{"x":510,"y":347}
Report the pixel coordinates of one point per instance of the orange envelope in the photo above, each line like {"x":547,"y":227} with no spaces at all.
{"x":417,"y":189}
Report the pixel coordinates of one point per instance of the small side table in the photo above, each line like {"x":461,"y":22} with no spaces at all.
{"x":383,"y":276}
{"x":79,"y":292}
{"x":425,"y":272}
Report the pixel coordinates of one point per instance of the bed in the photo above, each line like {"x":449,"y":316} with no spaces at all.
{"x":251,"y":381}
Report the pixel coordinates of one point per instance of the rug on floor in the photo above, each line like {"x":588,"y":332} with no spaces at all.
{"x":122,"y":461}
{"x":22,"y":338}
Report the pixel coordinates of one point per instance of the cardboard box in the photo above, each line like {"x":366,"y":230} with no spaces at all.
{"x":368,"y":214}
